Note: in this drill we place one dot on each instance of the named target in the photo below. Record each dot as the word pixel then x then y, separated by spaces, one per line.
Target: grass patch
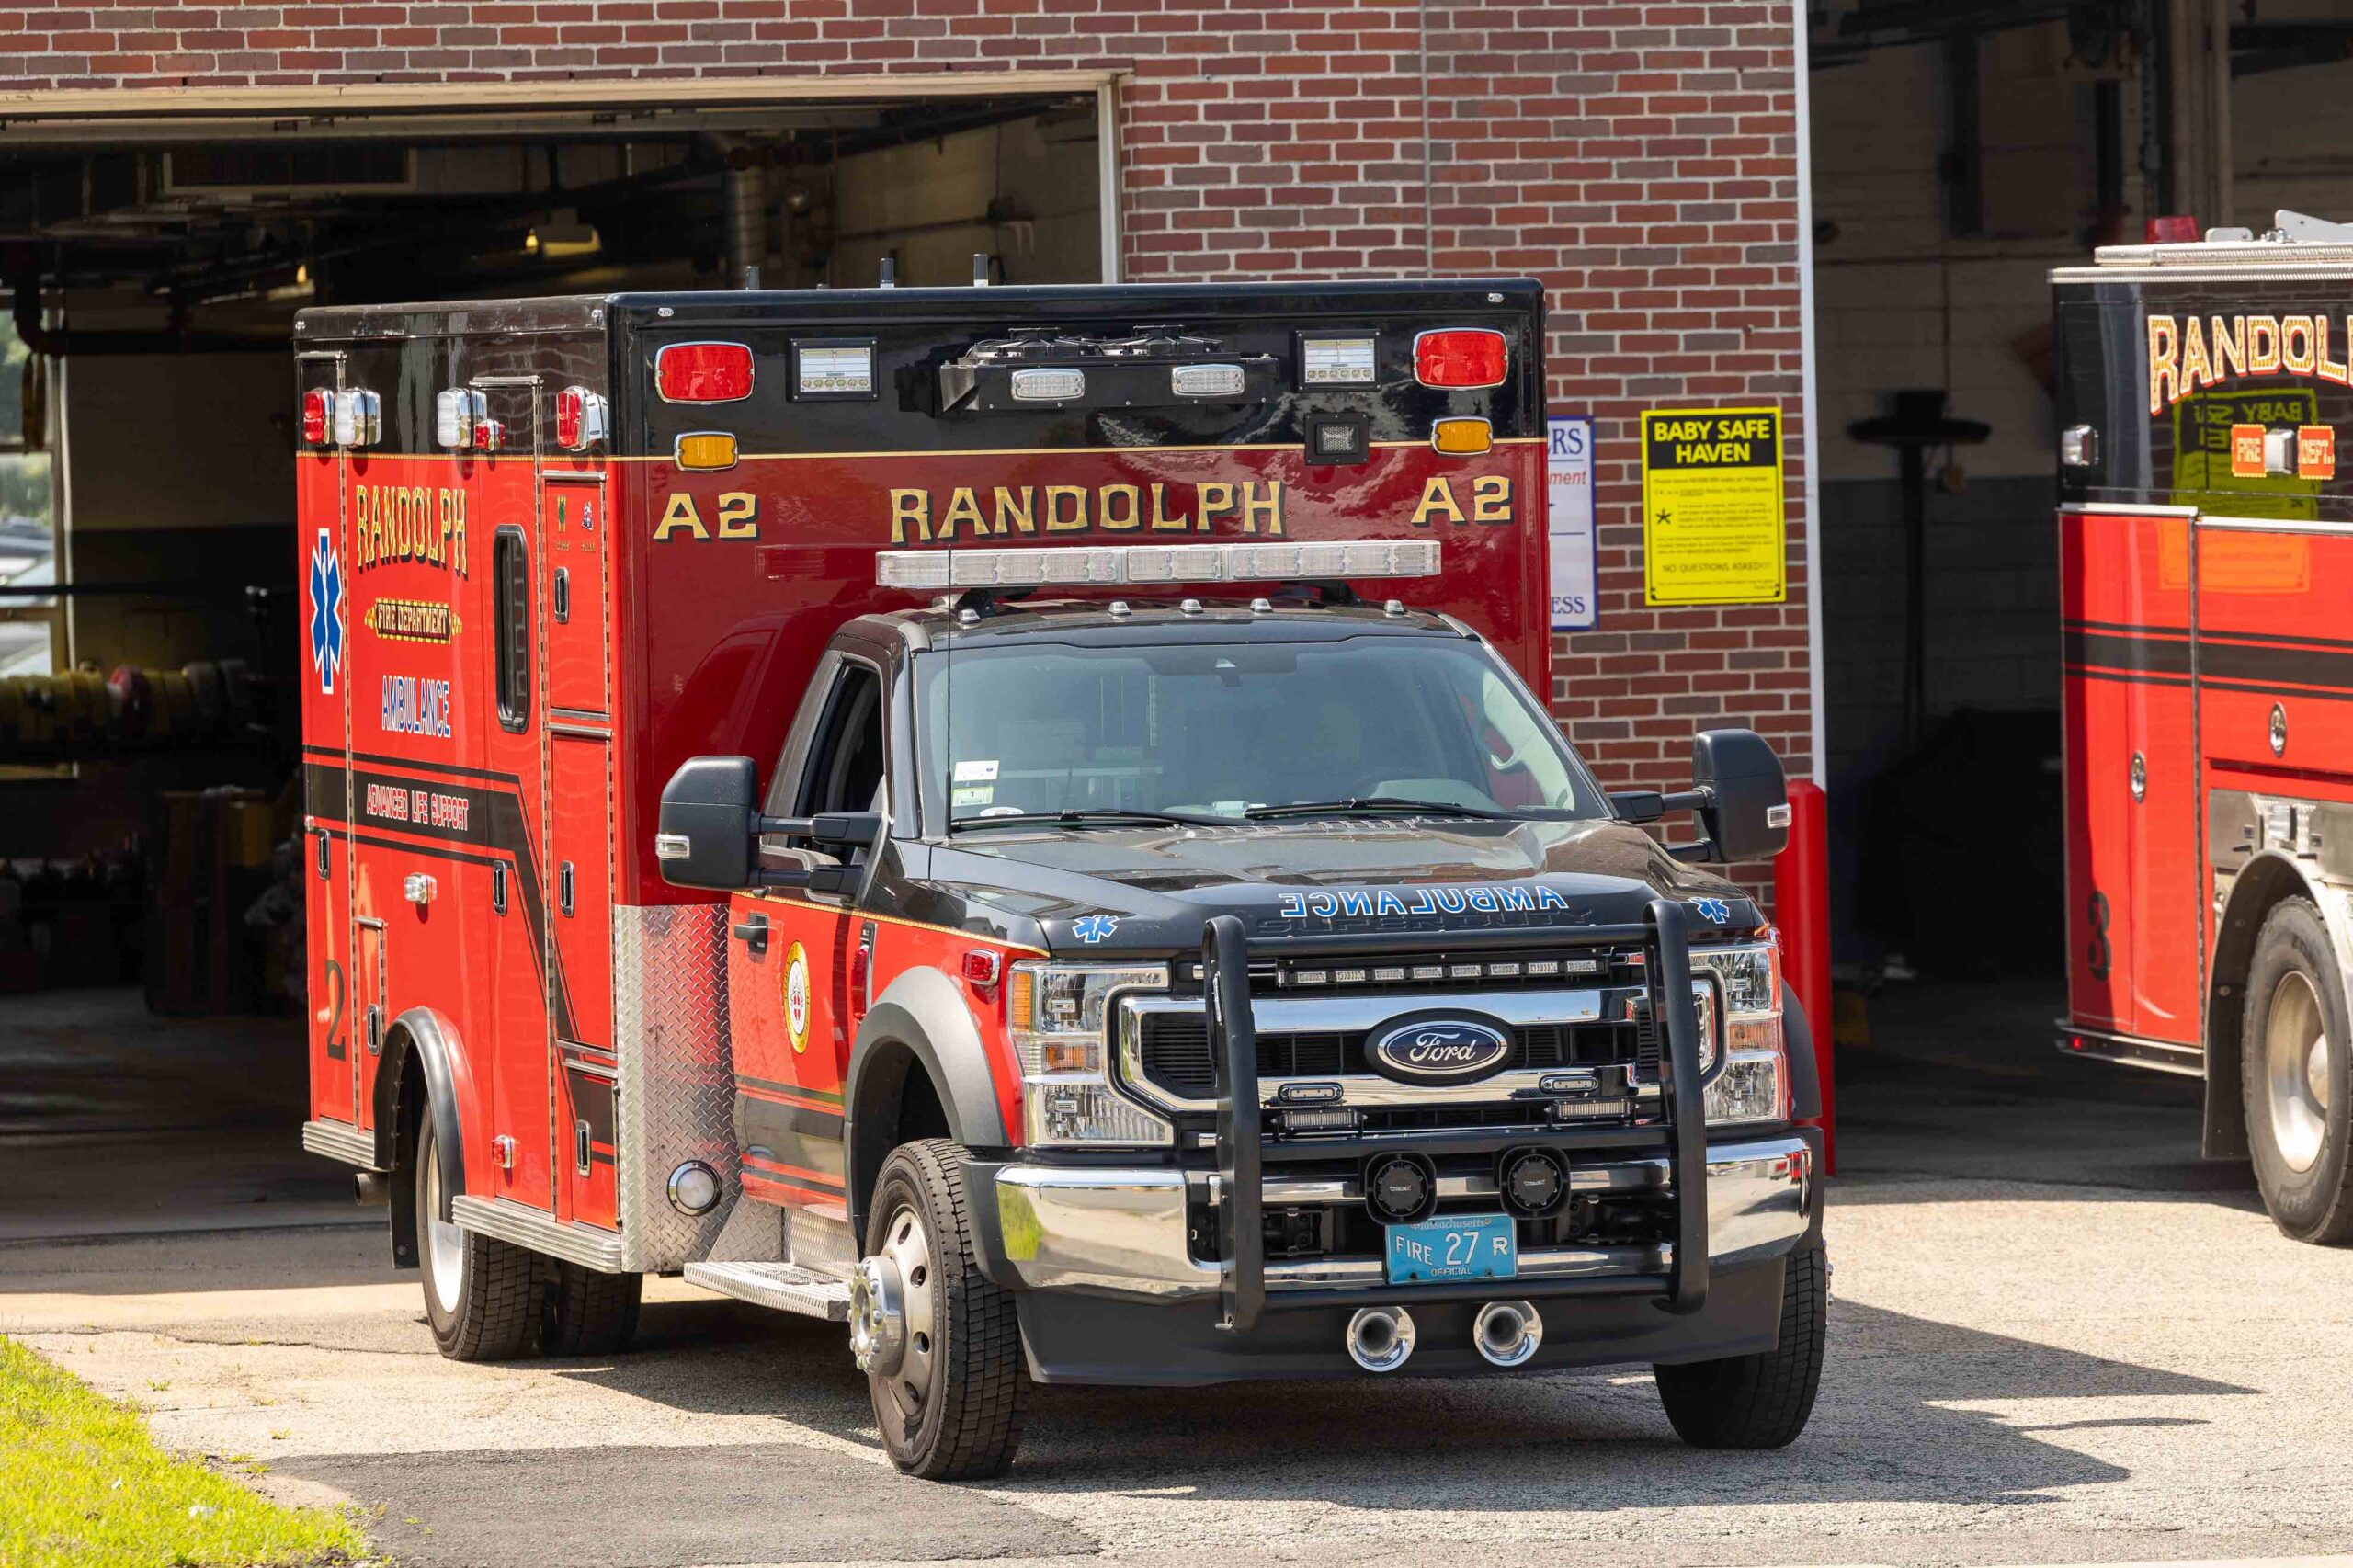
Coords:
pixel 82 1483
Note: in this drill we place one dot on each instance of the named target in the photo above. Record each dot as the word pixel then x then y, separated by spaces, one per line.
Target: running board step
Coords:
pixel 783 1286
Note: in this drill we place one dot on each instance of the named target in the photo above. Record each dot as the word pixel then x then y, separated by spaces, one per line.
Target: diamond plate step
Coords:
pixel 783 1286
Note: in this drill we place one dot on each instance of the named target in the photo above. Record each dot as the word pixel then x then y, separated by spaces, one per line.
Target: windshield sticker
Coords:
pixel 973 794
pixel 1094 929
pixel 976 770
pixel 1715 909
pixel 1484 897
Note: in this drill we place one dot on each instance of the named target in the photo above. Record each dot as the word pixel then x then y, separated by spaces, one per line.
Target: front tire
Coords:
pixel 1761 1401
pixel 940 1344
pixel 481 1295
pixel 2292 1077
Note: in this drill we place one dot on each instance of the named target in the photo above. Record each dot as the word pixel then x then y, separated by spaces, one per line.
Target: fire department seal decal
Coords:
pixel 796 997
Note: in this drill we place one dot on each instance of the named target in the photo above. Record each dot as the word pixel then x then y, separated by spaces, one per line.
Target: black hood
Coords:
pixel 1099 892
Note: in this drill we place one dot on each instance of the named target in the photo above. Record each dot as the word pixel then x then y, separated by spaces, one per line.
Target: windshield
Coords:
pixel 1227 732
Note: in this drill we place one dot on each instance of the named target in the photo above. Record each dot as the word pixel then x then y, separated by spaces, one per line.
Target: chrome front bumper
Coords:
pixel 1124 1231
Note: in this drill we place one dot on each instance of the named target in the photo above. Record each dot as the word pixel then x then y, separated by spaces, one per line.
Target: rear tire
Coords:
pixel 1761 1401
pixel 589 1313
pixel 481 1295
pixel 950 1402
pixel 2293 1077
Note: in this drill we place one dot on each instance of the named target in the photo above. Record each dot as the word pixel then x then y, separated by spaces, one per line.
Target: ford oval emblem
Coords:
pixel 1439 1051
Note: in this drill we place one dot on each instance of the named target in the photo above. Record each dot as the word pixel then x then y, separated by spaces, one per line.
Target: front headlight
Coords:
pixel 1753 1085
pixel 1057 1015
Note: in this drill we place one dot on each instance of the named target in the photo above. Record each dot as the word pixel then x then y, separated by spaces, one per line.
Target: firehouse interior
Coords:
pixel 148 623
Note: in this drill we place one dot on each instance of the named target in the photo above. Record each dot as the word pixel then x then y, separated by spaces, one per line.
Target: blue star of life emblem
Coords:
pixel 1094 929
pixel 326 612
pixel 1715 909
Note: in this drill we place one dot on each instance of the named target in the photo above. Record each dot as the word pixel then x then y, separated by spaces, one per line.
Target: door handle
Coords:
pixel 753 932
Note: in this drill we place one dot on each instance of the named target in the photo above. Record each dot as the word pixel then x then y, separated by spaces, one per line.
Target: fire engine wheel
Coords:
pixel 939 1344
pixel 1761 1401
pixel 2293 1074
pixel 481 1295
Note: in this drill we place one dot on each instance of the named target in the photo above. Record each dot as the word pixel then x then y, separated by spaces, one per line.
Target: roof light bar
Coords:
pixel 1110 565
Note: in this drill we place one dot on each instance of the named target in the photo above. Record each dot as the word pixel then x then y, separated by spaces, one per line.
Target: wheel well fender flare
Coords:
pixel 920 1022
pixel 423 1054
pixel 2260 885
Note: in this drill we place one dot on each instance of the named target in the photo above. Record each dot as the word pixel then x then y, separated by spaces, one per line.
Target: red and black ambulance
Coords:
pixel 1024 821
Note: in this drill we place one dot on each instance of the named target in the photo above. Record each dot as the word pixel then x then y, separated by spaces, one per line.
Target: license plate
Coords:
pixel 1457 1246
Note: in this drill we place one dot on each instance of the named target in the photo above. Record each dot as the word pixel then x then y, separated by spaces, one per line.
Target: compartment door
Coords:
pixel 573 554
pixel 2131 784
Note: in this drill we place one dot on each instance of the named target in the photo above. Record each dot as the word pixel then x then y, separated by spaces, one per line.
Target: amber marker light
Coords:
pixel 1464 437
pixel 705 450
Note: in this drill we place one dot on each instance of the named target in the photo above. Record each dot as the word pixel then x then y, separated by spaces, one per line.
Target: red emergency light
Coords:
pixel 2173 230
pixel 703 372
pixel 318 416
pixel 1459 357
pixel 579 419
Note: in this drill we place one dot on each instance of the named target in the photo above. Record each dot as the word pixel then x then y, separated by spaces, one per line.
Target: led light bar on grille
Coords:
pixel 1117 564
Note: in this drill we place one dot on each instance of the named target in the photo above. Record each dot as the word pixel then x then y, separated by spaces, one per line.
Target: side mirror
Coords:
pixel 705 836
pixel 711 827
pixel 1745 808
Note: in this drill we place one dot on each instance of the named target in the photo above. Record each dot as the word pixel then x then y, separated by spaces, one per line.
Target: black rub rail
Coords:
pixel 1241 1155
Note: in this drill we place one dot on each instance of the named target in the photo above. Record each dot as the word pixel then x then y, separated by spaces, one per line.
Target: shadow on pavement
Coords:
pixel 1884 1429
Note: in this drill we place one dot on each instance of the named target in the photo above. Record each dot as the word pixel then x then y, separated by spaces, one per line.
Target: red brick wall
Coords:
pixel 1639 158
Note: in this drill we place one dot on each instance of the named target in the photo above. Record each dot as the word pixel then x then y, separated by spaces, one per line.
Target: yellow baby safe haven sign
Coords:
pixel 1712 529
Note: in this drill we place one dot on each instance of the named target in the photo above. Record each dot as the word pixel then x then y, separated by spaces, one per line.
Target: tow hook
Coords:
pixel 1507 1333
pixel 877 1317
pixel 1380 1339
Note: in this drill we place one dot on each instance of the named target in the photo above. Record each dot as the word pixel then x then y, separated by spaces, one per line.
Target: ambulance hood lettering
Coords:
pixel 1307 879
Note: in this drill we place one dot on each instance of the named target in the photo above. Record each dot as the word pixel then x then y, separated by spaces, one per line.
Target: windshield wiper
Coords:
pixel 1374 803
pixel 1091 816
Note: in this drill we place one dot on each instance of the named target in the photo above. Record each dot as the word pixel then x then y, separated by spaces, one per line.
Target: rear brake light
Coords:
pixel 703 372
pixel 579 419
pixel 1459 357
pixel 318 414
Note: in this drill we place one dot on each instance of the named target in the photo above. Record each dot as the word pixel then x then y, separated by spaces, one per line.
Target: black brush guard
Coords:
pixel 1240 1156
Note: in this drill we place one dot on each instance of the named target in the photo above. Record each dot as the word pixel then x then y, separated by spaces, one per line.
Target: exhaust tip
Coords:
pixel 1380 1339
pixel 1507 1333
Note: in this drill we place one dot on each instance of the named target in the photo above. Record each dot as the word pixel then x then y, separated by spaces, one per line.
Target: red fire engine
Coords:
pixel 2206 559
pixel 1023 821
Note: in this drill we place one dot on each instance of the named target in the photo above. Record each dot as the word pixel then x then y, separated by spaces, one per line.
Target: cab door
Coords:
pixel 798 964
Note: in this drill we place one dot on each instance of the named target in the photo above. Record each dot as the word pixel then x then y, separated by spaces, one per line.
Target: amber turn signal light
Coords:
pixel 1462 437
pixel 705 448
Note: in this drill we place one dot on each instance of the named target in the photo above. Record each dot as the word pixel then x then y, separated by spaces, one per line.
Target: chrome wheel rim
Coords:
pixel 903 1371
pixel 447 1242
pixel 2295 1061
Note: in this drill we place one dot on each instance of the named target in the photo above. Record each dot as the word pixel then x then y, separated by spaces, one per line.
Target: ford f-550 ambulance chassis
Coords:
pixel 914 807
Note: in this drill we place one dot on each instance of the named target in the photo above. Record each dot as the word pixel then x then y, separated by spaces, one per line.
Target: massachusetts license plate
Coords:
pixel 1456 1246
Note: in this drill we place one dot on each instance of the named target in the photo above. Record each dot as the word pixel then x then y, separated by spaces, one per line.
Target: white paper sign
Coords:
pixel 1568 513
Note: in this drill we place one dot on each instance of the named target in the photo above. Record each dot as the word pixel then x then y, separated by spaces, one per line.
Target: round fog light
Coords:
pixel 694 1188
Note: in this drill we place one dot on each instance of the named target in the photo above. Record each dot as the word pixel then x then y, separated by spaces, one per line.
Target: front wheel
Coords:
pixel 939 1342
pixel 2293 1076
pixel 481 1295
pixel 1761 1401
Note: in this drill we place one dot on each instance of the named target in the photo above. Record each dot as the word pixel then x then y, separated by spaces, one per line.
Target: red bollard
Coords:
pixel 1802 910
